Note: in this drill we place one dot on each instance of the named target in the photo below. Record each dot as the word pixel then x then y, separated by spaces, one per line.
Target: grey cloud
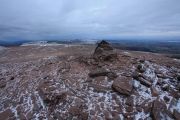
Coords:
pixel 40 19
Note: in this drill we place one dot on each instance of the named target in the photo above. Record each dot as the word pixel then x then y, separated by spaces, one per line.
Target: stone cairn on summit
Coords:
pixel 103 52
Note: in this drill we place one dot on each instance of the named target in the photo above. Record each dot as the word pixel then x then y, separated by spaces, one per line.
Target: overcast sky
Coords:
pixel 97 19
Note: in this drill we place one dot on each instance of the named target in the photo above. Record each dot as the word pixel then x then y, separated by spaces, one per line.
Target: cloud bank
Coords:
pixel 71 19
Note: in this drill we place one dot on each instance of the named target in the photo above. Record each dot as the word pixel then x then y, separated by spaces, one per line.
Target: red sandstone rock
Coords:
pixel 74 111
pixel 154 92
pixel 92 112
pixel 123 85
pixel 176 114
pixel 158 110
pixel 99 72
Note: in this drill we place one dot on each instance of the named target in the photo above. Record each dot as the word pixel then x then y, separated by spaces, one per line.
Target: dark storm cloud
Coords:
pixel 40 19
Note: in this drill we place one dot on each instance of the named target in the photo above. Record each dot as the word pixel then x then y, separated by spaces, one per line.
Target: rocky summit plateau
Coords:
pixel 87 82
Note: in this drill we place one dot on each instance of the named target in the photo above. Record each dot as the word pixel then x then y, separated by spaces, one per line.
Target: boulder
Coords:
pixel 158 110
pixel 123 85
pixel 99 72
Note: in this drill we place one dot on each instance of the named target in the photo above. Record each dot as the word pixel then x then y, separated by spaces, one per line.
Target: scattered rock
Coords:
pixel 89 79
pixel 92 112
pixel 176 114
pixel 107 114
pixel 129 109
pixel 18 109
pixel 147 108
pixel 84 116
pixel 74 111
pixel 158 110
pixel 171 105
pixel 60 95
pixel 112 75
pixel 12 78
pixel 159 82
pixel 141 68
pixel 29 115
pixel 166 98
pixel 43 96
pixel 7 113
pixel 36 107
pixel 2 85
pixel 78 102
pixel 174 93
pixel 98 88
pixel 123 85
pixel 161 76
pixel 178 85
pixel 22 117
pixel 99 72
pixel 154 92
pixel 144 82
pixel 139 109
pixel 135 75
pixel 130 101
pixel 165 87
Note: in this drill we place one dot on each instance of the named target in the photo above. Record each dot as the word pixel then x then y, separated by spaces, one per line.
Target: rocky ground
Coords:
pixel 74 82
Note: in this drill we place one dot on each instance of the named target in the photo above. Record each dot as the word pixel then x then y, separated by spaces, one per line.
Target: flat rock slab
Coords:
pixel 123 85
pixel 99 72
pixel 99 88
pixel 144 82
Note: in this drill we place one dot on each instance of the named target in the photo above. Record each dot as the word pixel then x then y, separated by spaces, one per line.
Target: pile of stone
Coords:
pixel 104 52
